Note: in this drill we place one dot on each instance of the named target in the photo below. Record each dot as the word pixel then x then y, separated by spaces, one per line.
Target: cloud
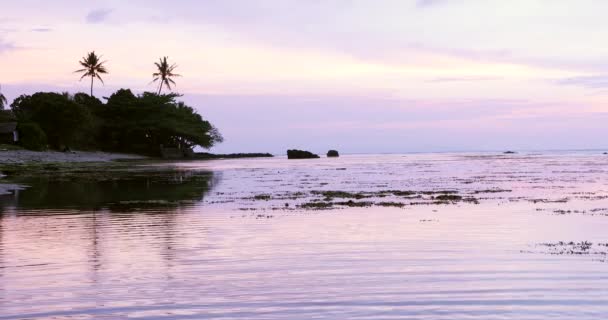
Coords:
pixel 428 3
pixel 378 34
pixel 7 30
pixel 42 29
pixel 463 79
pixel 98 15
pixel 6 46
pixel 593 82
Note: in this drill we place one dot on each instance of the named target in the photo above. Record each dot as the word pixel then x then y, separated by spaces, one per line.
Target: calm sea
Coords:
pixel 425 236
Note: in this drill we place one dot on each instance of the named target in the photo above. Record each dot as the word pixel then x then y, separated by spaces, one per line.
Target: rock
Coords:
pixel 509 152
pixel 300 154
pixel 332 154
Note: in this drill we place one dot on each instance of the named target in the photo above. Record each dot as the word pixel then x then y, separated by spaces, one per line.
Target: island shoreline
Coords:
pixel 94 165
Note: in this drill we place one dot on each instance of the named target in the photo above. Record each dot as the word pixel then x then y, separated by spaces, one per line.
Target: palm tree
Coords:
pixel 93 67
pixel 3 100
pixel 164 74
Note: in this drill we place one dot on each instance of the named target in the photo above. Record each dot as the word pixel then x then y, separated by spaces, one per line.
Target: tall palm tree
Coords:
pixel 164 74
pixel 3 101
pixel 93 67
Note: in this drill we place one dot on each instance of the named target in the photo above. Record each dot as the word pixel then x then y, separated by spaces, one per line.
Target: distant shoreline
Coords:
pixel 93 165
pixel 213 156
pixel 26 156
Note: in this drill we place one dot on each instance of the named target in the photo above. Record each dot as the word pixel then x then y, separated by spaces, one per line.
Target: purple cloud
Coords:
pixel 593 82
pixel 42 29
pixel 314 25
pixel 463 79
pixel 98 15
pixel 6 46
pixel 428 3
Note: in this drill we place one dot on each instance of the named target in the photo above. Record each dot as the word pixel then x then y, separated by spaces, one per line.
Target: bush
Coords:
pixel 7 116
pixel 31 136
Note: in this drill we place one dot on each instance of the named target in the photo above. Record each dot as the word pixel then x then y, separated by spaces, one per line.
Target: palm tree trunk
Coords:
pixel 160 87
pixel 91 86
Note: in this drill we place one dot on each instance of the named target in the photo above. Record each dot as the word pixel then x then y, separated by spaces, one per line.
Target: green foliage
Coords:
pixel 31 136
pixel 7 116
pixel 88 137
pixel 87 100
pixel 58 115
pixel 141 124
pixel 126 123
pixel 9 147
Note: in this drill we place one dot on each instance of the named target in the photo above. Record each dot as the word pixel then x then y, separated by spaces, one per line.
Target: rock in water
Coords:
pixel 300 154
pixel 332 154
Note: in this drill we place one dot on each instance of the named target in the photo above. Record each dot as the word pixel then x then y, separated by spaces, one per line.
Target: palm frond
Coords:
pixel 100 79
pixel 93 66
pixel 164 73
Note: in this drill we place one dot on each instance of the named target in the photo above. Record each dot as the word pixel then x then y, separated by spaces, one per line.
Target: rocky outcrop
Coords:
pixel 300 154
pixel 332 154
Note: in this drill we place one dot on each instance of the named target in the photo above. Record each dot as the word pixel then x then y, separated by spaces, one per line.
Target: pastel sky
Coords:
pixel 355 75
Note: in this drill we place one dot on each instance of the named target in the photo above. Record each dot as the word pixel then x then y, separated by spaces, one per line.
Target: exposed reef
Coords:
pixel 300 154
pixel 333 154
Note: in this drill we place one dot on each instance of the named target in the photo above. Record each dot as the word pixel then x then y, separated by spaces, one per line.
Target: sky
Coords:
pixel 359 76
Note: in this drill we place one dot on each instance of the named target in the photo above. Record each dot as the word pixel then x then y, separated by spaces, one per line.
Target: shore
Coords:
pixel 17 165
pixel 61 164
pixel 25 156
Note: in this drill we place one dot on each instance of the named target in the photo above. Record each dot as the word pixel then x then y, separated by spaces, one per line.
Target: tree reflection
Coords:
pixel 118 194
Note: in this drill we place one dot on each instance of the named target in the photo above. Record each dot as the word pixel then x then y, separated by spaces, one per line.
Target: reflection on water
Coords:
pixel 125 191
pixel 181 245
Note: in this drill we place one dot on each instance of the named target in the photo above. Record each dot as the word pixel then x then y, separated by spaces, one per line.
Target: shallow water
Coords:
pixel 195 242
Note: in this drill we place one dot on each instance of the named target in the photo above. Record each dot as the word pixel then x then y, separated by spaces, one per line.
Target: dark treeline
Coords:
pixel 124 123
pixel 142 124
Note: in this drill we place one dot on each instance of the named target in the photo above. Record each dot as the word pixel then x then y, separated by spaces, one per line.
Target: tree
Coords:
pixel 126 123
pixel 63 121
pixel 164 74
pixel 93 67
pixel 3 101
pixel 142 123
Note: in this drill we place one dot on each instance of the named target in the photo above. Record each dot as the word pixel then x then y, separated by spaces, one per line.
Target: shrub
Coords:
pixel 31 136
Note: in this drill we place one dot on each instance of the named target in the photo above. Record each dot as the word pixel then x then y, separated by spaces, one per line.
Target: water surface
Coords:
pixel 230 239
